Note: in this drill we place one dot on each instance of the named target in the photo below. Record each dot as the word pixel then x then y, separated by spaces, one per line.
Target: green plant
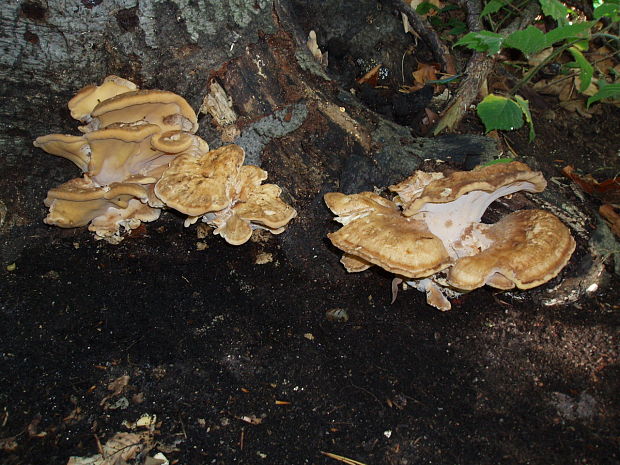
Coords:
pixel 439 18
pixel 572 35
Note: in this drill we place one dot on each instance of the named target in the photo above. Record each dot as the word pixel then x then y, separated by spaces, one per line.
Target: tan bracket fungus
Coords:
pixel 525 249
pixel 139 154
pixel 87 98
pixel 376 233
pixel 227 195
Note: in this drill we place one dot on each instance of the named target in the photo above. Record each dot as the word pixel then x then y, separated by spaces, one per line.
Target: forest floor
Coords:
pixel 212 354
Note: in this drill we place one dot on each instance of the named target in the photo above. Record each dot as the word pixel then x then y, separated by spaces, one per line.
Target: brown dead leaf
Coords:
pixel 561 86
pixel 118 450
pixel 565 88
pixel 611 217
pixel 126 446
pixel 75 415
pixel 313 46
pixel 425 72
pixel 590 91
pixel 577 106
pixel 371 77
pixel 33 427
pixel 117 387
pixel 429 120
pixel 92 460
pixel 539 57
pixel 602 59
pixel 607 191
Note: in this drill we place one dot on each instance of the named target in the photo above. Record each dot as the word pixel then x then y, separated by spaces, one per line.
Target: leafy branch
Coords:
pixel 573 35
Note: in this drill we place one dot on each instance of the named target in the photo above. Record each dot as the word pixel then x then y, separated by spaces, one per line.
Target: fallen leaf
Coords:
pixel 539 57
pixel 117 387
pixel 73 416
pixel 126 446
pixel 416 3
pixel 578 106
pixel 147 421
pixel 607 191
pixel 157 459
pixel 92 460
pixel 602 59
pixel 32 428
pixel 429 120
pixel 425 72
pixel 611 217
pixel 313 46
pixel 565 88
pixel 371 76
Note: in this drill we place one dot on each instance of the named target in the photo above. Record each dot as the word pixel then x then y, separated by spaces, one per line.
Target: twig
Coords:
pixel 534 71
pixel 342 459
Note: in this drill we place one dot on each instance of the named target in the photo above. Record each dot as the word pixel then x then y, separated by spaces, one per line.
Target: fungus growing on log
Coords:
pixel 87 98
pixel 434 225
pixel 376 233
pixel 139 154
pixel 227 195
pixel 108 209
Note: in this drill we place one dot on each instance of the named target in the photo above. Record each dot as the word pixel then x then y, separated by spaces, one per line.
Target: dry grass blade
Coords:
pixel 342 459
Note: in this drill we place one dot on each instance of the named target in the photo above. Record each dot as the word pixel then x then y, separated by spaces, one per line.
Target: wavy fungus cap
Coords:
pixel 166 109
pixel 528 248
pixel 376 233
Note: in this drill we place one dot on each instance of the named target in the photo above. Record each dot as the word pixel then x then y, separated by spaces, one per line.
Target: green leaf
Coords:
pixel 529 41
pixel 449 7
pixel 525 109
pixel 425 7
pixel 458 27
pixel 610 9
pixel 435 21
pixel 585 68
pixel 568 32
pixel 611 91
pixel 498 112
pixel 492 7
pixel 555 9
pixel 483 41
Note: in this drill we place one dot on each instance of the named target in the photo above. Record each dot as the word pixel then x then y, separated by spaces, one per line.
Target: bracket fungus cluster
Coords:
pixel 139 154
pixel 431 235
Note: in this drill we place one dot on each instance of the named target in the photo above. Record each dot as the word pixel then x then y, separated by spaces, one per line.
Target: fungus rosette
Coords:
pixel 431 235
pixel 217 188
pixel 139 153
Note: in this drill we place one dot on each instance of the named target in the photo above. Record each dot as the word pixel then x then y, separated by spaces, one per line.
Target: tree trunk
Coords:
pixel 309 133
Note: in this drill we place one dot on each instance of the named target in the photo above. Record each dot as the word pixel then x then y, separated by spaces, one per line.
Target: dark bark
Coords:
pixel 428 34
pixel 294 120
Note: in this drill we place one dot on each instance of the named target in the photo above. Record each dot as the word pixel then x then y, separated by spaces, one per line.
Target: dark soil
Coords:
pixel 236 352
pixel 210 337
